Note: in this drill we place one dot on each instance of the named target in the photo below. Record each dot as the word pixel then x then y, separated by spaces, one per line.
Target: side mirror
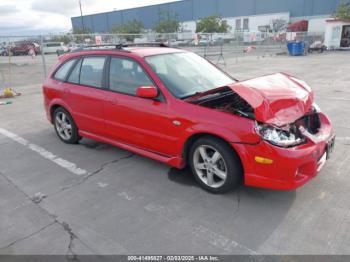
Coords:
pixel 147 92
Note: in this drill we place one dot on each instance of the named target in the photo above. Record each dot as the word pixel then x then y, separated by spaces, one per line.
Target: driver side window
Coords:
pixel 126 75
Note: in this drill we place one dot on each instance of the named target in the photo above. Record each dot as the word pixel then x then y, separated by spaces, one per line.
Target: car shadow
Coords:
pixel 182 176
pixel 91 144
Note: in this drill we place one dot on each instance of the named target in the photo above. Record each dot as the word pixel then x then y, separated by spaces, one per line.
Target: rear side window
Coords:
pixel 61 73
pixel 74 76
pixel 91 72
pixel 125 76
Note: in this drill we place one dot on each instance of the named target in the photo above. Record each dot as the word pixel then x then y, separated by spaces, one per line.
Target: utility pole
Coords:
pixel 81 15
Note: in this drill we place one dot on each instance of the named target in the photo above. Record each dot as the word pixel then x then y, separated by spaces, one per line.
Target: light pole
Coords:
pixel 81 15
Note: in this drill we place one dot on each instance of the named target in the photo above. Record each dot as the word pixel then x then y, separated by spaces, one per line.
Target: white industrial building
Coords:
pixel 255 23
pixel 337 34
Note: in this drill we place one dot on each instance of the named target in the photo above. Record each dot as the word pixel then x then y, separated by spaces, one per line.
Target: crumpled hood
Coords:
pixel 277 99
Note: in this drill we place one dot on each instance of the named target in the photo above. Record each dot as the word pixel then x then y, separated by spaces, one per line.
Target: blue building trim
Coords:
pixel 191 10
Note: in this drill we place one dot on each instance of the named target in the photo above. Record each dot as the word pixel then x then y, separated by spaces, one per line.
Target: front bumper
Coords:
pixel 291 167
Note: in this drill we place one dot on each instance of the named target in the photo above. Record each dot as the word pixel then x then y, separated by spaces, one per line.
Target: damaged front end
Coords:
pixel 226 100
pixel 294 137
pixel 281 106
pixel 286 136
pixel 292 134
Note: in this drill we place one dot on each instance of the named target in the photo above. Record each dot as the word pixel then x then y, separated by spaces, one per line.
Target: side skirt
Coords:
pixel 172 161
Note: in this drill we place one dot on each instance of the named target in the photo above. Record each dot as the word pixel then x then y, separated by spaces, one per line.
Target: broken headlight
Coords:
pixel 286 136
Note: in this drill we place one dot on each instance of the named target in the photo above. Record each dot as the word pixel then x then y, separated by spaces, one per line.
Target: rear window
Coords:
pixel 62 72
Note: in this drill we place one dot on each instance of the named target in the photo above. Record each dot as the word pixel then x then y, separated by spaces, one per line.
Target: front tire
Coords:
pixel 65 126
pixel 215 165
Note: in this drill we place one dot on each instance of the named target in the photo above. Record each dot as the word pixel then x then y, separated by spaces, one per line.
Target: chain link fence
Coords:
pixel 37 54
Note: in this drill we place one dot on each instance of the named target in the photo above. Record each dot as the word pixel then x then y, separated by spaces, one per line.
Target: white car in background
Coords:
pixel 54 47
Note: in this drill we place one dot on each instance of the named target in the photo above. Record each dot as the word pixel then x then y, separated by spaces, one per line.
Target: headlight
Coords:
pixel 287 136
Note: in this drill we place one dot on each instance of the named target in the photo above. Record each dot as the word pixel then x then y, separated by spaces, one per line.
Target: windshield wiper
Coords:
pixel 202 95
pixel 194 94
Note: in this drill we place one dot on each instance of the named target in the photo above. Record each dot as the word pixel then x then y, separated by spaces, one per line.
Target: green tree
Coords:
pixel 278 25
pixel 132 27
pixel 80 34
pixel 168 22
pixel 62 38
pixel 343 10
pixel 81 31
pixel 212 24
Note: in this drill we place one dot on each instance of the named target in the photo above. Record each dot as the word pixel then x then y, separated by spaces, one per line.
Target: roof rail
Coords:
pixel 150 44
pixel 119 47
pixel 99 47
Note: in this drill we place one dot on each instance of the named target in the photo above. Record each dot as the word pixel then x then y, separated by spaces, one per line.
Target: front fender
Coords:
pixel 243 135
pixel 246 135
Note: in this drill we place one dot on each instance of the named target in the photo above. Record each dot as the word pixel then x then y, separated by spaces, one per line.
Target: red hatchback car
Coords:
pixel 176 107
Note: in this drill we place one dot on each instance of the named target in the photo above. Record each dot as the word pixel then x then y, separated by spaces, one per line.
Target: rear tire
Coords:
pixel 215 165
pixel 65 127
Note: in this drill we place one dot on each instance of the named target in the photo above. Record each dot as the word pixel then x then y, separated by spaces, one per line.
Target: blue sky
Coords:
pixel 28 17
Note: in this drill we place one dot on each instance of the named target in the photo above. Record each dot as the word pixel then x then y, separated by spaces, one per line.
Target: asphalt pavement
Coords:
pixel 93 198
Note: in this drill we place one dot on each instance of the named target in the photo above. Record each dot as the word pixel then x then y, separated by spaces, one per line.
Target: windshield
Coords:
pixel 186 74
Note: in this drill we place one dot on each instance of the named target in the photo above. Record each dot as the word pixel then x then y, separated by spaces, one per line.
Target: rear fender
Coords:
pixel 58 102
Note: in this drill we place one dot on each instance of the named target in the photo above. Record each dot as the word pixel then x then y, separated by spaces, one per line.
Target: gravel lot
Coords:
pixel 127 204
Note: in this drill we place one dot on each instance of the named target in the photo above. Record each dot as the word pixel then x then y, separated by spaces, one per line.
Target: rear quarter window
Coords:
pixel 75 74
pixel 62 72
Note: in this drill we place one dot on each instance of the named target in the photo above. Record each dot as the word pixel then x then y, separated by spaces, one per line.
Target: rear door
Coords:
pixel 138 121
pixel 84 93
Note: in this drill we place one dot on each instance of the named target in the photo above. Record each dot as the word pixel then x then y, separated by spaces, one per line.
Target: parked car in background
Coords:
pixel 54 47
pixel 218 41
pixel 202 42
pixel 176 43
pixel 172 43
pixel 72 46
pixel 176 107
pixel 23 48
pixel 4 51
pixel 184 42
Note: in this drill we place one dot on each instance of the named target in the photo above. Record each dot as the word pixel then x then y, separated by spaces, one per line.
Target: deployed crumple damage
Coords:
pixel 277 99
pixel 226 100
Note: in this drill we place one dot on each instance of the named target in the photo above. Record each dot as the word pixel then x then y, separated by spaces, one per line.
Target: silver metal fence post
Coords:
pixel 10 73
pixel 43 55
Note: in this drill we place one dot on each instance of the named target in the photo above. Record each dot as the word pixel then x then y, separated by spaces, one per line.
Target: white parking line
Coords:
pixel 71 167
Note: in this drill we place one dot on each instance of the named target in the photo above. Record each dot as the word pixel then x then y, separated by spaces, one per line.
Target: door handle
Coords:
pixel 113 101
pixel 66 90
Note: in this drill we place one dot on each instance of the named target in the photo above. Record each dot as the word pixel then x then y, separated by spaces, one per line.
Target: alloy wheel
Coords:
pixel 210 166
pixel 63 126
